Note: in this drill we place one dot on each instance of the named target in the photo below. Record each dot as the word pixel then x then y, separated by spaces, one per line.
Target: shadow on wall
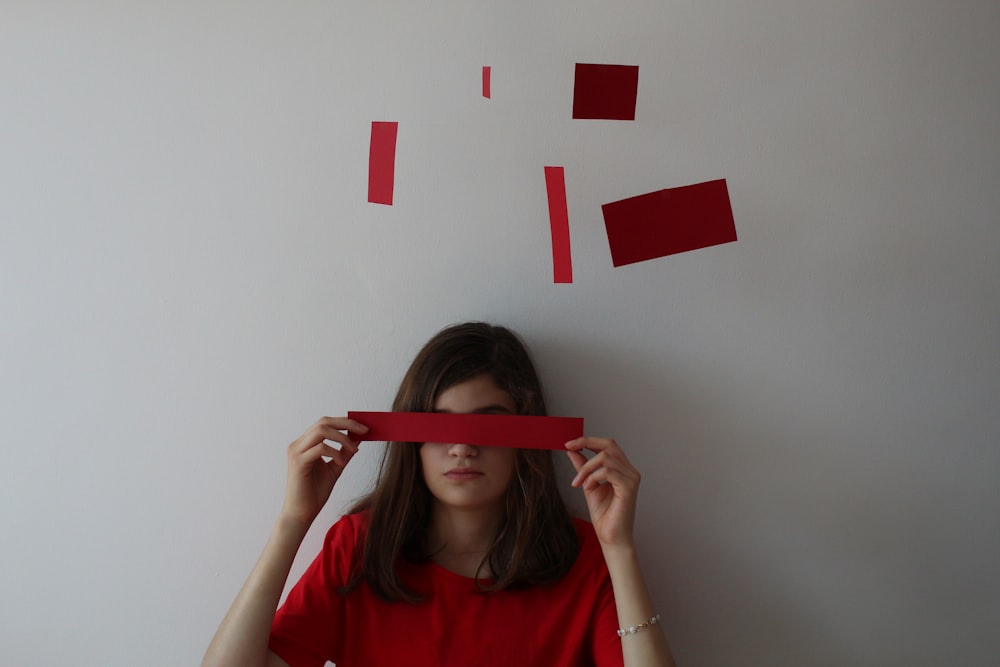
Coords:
pixel 724 602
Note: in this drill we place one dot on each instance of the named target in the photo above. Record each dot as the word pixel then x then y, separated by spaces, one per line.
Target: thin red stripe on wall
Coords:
pixel 562 263
pixel 382 162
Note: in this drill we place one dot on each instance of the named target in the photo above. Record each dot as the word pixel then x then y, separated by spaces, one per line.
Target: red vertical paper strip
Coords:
pixel 486 81
pixel 562 263
pixel 382 162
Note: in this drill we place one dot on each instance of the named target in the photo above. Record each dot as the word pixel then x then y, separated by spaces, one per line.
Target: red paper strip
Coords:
pixel 562 261
pixel 669 221
pixel 486 81
pixel 605 91
pixel 487 430
pixel 382 162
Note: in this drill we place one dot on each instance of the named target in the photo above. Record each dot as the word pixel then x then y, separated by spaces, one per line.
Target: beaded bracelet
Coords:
pixel 631 630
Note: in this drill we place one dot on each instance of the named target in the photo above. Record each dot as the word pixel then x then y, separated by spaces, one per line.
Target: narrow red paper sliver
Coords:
pixel 562 261
pixel 382 162
pixel 487 430
pixel 669 221
pixel 486 81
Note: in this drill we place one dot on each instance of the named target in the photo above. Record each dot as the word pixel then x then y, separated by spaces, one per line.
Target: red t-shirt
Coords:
pixel 571 622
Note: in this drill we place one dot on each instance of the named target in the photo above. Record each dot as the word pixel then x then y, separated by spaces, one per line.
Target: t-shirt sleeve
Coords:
pixel 308 628
pixel 607 647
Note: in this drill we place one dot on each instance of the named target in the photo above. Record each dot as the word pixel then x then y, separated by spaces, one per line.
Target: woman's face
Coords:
pixel 464 476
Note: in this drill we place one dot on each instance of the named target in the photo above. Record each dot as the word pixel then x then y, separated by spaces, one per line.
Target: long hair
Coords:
pixel 536 542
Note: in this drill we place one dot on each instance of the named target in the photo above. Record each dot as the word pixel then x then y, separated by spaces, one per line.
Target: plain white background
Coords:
pixel 190 274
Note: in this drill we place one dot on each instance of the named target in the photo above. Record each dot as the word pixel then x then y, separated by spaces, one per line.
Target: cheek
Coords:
pixel 430 454
pixel 506 461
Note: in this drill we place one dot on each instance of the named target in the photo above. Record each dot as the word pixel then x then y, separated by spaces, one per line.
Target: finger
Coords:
pixel 623 484
pixel 592 443
pixel 339 459
pixel 340 424
pixel 593 479
pixel 316 452
pixel 588 468
pixel 322 433
pixel 345 424
pixel 577 459
pixel 621 468
pixel 338 452
pixel 606 449
pixel 342 442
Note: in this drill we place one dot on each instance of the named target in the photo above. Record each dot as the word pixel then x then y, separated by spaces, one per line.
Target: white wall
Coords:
pixel 190 274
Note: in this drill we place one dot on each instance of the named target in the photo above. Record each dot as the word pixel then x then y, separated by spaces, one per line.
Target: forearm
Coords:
pixel 243 635
pixel 648 647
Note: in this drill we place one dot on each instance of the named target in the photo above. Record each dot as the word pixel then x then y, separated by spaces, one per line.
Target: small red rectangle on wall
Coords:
pixel 669 221
pixel 605 91
pixel 382 162
pixel 486 81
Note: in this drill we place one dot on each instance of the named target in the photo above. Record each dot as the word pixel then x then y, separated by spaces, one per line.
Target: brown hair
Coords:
pixel 536 543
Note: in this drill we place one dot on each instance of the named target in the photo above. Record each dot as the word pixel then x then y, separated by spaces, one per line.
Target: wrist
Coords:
pixel 292 526
pixel 620 553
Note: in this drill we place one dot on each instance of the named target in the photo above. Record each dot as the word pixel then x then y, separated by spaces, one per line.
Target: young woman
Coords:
pixel 461 555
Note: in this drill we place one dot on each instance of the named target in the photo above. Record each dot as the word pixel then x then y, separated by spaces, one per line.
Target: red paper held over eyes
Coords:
pixel 382 162
pixel 486 430
pixel 669 221
pixel 605 91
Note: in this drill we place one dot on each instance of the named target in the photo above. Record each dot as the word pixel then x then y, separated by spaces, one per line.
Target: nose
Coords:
pixel 463 451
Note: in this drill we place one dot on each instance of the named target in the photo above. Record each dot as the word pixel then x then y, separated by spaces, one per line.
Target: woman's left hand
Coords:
pixel 610 484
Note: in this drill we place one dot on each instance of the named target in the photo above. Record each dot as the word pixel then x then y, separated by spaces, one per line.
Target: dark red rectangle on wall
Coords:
pixel 605 91
pixel 669 221
pixel 486 81
pixel 562 261
pixel 382 162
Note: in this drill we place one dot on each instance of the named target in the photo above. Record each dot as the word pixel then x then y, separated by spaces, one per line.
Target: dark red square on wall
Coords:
pixel 605 91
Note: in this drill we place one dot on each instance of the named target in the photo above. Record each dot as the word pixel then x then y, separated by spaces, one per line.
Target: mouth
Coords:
pixel 463 474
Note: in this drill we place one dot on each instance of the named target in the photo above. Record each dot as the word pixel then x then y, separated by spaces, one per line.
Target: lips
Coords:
pixel 463 474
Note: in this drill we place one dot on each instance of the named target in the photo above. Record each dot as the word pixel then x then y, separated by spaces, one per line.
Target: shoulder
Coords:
pixel 584 530
pixel 340 549
pixel 590 546
pixel 347 531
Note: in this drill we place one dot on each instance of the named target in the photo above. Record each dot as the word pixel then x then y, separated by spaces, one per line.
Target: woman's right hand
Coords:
pixel 310 478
